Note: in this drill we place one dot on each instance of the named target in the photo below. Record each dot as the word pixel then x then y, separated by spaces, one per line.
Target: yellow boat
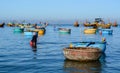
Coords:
pixel 106 26
pixel 90 31
pixel 41 32
pixel 89 25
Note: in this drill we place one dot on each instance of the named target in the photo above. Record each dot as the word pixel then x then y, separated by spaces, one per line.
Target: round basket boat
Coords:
pixel 18 30
pixel 64 30
pixel 82 53
pixel 90 31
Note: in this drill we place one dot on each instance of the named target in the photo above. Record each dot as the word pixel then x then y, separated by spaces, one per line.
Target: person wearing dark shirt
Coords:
pixel 33 42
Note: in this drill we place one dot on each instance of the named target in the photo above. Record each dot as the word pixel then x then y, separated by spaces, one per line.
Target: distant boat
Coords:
pixel 64 30
pixel 98 20
pixel 19 30
pixel 90 31
pixel 89 25
pixel 76 24
pixel 2 25
pixel 28 33
pixel 106 26
pixel 11 24
pixel 106 31
pixel 115 24
pixel 40 31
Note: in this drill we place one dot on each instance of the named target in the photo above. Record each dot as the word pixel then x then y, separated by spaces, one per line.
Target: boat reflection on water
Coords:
pixel 84 67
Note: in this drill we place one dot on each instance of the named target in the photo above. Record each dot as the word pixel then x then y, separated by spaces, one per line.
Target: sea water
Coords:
pixel 16 55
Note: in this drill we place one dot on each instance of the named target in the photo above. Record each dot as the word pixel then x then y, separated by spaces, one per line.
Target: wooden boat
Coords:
pixel 90 31
pixel 100 45
pixel 29 29
pixel 106 26
pixel 64 30
pixel 2 25
pixel 106 31
pixel 40 31
pixel 82 53
pixel 89 25
pixel 115 24
pixel 76 24
pixel 11 24
pixel 27 26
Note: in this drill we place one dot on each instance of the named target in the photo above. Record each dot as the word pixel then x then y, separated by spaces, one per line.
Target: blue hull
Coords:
pixel 28 33
pixel 64 31
pixel 107 31
pixel 18 30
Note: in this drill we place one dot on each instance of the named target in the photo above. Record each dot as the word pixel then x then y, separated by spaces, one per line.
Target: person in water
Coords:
pixel 33 42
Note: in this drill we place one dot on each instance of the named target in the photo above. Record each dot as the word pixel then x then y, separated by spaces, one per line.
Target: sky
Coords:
pixel 56 11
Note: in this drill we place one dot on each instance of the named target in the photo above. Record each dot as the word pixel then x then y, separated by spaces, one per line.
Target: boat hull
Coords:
pixel 107 31
pixel 28 33
pixel 82 53
pixel 64 31
pixel 90 31
pixel 18 30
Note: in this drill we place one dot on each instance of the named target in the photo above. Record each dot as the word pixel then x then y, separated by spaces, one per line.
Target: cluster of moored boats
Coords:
pixel 28 28
pixel 92 28
pixel 79 51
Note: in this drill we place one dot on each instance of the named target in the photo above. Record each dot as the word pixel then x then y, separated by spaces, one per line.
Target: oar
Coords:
pixel 90 44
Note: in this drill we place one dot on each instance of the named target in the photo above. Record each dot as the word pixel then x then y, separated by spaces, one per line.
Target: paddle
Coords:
pixel 90 44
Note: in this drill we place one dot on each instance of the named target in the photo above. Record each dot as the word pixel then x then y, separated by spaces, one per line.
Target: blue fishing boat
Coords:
pixel 64 30
pixel 28 33
pixel 106 31
pixel 100 45
pixel 18 29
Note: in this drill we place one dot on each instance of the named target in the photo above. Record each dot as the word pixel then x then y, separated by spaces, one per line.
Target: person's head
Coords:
pixel 103 39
